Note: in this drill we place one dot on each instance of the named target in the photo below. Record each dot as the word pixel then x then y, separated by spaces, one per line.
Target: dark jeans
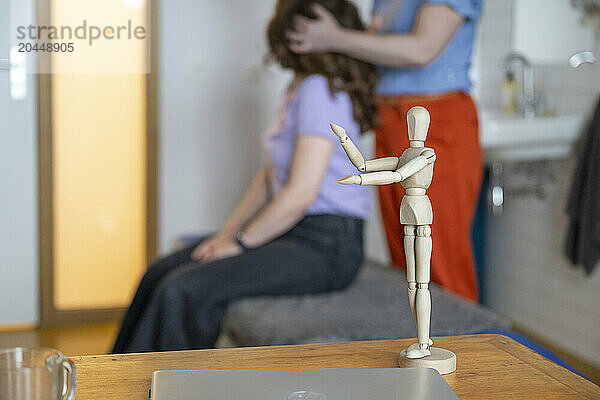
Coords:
pixel 179 303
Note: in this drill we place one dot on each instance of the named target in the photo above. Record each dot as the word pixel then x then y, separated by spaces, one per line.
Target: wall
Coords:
pixel 215 100
pixel 18 191
pixel 527 277
pixel 375 241
pixel 493 44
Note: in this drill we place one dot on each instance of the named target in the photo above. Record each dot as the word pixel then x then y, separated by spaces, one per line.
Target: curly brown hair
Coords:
pixel 343 73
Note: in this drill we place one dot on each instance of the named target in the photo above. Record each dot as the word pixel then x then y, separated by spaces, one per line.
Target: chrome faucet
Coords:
pixel 528 99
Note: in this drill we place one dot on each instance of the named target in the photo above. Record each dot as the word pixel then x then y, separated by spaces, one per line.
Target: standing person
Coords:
pixel 423 48
pixel 295 231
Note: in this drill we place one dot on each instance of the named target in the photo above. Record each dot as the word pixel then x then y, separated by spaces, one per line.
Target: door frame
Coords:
pixel 49 315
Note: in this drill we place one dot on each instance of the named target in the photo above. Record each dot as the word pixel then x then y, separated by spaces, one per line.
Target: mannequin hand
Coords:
pixel 216 247
pixel 314 35
pixel 350 180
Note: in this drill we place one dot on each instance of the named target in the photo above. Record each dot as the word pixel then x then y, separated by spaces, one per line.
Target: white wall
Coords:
pixel 376 248
pixel 375 241
pixel 216 99
pixel 18 197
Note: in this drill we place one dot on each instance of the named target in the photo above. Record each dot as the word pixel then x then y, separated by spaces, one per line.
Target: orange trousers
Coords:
pixel 454 191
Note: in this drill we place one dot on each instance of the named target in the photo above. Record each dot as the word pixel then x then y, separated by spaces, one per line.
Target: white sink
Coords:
pixel 514 138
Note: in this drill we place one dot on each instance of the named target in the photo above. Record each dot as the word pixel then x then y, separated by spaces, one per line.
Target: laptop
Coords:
pixel 301 384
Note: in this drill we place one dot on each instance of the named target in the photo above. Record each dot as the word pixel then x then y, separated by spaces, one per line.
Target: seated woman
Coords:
pixel 295 231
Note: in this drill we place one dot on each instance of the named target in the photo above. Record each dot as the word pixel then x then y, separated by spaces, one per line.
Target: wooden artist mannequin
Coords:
pixel 414 171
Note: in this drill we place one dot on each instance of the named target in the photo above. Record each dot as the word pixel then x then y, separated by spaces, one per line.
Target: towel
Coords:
pixel 583 208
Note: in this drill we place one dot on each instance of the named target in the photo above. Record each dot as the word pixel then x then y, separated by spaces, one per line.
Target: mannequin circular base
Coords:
pixel 444 361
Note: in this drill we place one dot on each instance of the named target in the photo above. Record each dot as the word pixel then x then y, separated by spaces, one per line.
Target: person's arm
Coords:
pixel 309 165
pixel 434 26
pixel 254 199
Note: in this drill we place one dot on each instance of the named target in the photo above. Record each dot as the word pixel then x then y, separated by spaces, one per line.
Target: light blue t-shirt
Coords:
pixel 309 110
pixel 450 70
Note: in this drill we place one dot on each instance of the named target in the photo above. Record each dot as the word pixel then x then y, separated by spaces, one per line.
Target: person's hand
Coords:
pixel 216 247
pixel 314 35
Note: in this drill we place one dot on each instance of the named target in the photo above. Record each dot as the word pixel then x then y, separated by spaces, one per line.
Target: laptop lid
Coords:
pixel 301 384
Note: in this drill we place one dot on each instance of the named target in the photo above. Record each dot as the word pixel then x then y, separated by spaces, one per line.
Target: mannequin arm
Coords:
pixel 382 164
pixel 310 161
pixel 349 147
pixel 386 177
pixel 371 178
pixel 379 164
pixel 412 167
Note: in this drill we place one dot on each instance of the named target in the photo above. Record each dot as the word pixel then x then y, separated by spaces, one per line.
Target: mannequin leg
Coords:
pixel 410 232
pixel 409 250
pixel 422 299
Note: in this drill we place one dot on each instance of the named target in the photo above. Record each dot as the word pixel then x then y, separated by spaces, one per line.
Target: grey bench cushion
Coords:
pixel 375 306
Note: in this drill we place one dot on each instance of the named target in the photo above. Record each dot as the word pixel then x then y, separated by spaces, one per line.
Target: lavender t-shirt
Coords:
pixel 308 111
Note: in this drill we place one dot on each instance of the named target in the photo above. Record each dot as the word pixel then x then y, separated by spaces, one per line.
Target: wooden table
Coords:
pixel 488 367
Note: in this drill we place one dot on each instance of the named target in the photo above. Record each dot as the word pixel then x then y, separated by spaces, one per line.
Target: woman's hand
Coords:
pixel 314 35
pixel 216 247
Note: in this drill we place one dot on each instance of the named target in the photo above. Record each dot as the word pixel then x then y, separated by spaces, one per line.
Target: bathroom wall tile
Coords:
pixel 493 45
pixel 589 75
pixel 557 284
pixel 500 25
pixel 575 78
pixel 498 6
pixel 587 323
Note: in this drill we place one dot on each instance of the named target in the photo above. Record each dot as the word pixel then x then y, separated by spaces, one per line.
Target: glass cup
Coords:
pixel 36 374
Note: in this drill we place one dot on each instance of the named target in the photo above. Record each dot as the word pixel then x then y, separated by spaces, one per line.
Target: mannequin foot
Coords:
pixel 444 361
pixel 415 346
pixel 418 352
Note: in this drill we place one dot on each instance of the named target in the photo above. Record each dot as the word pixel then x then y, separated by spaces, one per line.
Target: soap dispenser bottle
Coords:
pixel 509 93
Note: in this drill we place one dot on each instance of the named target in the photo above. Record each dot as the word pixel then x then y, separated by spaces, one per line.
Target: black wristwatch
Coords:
pixel 239 238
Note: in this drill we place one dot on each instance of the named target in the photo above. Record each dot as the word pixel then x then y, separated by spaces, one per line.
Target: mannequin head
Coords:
pixel 418 125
